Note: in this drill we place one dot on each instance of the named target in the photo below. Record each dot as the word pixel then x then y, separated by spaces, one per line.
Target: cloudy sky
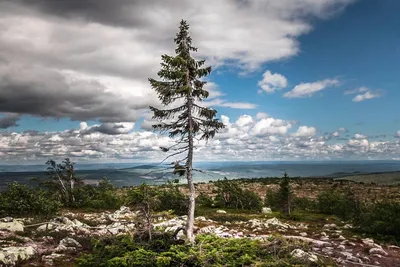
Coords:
pixel 292 79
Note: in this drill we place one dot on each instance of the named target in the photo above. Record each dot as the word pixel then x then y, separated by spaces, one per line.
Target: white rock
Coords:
pixel 350 257
pixel 303 234
pixel 266 210
pixel 9 256
pixel 70 242
pixel 368 242
pixel 48 260
pixel 341 238
pixel 201 218
pixel 348 226
pixel 221 211
pixel 330 226
pixel 6 219
pixel 378 251
pixel 301 254
pixel 341 247
pixel 13 226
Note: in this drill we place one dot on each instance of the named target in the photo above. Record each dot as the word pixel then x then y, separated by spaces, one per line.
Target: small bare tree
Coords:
pixel 181 89
pixel 62 179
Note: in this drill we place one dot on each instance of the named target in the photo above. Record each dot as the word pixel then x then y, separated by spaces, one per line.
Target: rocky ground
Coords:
pixel 26 242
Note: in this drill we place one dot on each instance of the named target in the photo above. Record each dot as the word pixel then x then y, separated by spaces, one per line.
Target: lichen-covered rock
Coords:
pixel 378 251
pixel 266 210
pixel 301 254
pixel 48 260
pixel 9 256
pixel 12 226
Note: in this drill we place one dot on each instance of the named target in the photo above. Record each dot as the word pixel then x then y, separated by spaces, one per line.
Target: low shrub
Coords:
pixel 344 205
pixel 101 196
pixel 381 219
pixel 231 195
pixel 208 251
pixel 22 200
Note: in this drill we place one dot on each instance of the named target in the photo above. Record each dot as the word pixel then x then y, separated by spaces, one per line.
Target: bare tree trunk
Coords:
pixel 63 188
pixel 189 175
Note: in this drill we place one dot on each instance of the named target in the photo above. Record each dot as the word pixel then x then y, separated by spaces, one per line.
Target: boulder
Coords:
pixel 301 254
pixel 349 257
pixel 7 219
pixel 68 244
pixel 48 260
pixel 221 211
pixel 330 226
pixel 266 210
pixel 9 256
pixel 368 242
pixel 378 251
pixel 12 226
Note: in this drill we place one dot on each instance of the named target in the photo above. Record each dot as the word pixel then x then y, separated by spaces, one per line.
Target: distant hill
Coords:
pixel 384 178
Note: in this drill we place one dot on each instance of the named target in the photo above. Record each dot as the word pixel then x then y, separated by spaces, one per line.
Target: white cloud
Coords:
pixel 397 134
pixel 359 136
pixel 357 90
pixel 217 102
pixel 305 131
pixel 110 50
pixel 261 115
pixel 271 126
pixel 244 120
pixel 272 82
pixel 308 89
pixel 366 96
pixel 362 143
pixel 363 93
pixel 336 134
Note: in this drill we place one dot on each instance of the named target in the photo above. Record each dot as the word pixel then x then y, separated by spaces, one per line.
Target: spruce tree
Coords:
pixel 181 91
pixel 285 194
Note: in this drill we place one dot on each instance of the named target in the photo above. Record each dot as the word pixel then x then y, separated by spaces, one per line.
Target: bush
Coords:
pixel 163 199
pixel 231 195
pixel 304 204
pixel 203 200
pixel 171 198
pixel 381 219
pixel 101 196
pixel 22 200
pixel 208 251
pixel 344 205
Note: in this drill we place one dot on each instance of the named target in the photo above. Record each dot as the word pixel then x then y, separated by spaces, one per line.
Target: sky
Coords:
pixel 291 80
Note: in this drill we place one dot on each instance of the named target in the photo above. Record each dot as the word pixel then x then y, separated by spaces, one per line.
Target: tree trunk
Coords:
pixel 189 173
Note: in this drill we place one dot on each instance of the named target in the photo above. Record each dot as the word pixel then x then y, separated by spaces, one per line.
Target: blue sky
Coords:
pixel 331 92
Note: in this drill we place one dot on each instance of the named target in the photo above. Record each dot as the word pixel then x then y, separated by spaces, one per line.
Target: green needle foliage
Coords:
pixel 181 91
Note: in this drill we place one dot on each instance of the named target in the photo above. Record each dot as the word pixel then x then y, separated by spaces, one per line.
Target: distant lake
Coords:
pixel 127 174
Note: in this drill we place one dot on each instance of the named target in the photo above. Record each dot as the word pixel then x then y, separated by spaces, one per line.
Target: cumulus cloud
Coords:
pixel 107 128
pixel 359 136
pixel 244 138
pixel 272 82
pixel 397 134
pixel 88 60
pixel 308 89
pixel 304 131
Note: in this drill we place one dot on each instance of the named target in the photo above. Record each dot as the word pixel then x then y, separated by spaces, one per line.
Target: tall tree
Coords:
pixel 285 194
pixel 181 90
